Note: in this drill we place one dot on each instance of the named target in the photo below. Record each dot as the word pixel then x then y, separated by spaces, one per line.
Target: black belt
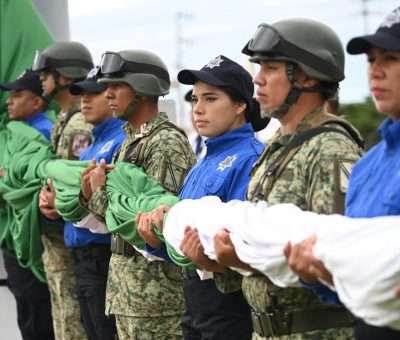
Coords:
pixel 189 274
pixel 90 251
pixel 121 247
pixel 279 323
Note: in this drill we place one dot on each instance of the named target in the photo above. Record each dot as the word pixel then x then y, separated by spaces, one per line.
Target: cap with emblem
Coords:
pixel 225 73
pixel 28 80
pixel 89 84
pixel 386 37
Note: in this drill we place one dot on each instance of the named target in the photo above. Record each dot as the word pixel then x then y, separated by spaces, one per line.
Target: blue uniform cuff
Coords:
pixel 324 293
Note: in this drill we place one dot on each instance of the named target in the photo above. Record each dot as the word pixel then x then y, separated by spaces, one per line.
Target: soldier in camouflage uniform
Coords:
pixel 307 162
pixel 62 64
pixel 146 297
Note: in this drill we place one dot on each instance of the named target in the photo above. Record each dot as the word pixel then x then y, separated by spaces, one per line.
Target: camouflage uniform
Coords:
pixel 146 297
pixel 69 138
pixel 315 179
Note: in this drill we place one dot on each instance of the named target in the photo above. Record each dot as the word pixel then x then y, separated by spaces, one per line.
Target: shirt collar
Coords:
pixel 106 127
pixel 229 138
pixel 145 128
pixel 36 118
pixel 390 132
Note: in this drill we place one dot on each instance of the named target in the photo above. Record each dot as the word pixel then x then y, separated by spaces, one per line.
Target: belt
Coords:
pixel 90 251
pixel 189 274
pixel 278 323
pixel 121 247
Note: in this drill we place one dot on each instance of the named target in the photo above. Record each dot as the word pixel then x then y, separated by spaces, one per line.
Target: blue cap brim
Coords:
pixel 87 86
pixel 380 40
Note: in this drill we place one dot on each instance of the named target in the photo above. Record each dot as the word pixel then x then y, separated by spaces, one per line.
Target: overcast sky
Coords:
pixel 211 27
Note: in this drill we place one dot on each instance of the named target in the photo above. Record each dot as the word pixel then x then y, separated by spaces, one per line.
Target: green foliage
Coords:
pixel 365 118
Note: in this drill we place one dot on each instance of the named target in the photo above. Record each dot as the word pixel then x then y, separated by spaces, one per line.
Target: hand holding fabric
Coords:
pixel 226 253
pixel 192 248
pixel 98 176
pixel 301 260
pixel 144 226
pixel 85 180
pixel 47 201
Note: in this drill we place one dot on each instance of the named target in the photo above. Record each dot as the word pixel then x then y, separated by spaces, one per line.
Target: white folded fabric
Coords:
pixel 362 254
pixel 93 224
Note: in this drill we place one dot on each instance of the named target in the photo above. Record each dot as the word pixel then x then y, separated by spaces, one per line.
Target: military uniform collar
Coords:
pixel 146 128
pixel 305 124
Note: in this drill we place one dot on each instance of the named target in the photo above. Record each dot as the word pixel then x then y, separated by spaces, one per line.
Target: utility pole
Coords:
pixel 365 14
pixel 180 40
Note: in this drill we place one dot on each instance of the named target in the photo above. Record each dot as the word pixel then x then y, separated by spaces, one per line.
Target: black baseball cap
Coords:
pixel 89 84
pixel 386 37
pixel 223 72
pixel 28 80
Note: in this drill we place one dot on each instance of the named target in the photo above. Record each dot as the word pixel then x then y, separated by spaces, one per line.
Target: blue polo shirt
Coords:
pixel 374 188
pixel 42 123
pixel 224 171
pixel 108 138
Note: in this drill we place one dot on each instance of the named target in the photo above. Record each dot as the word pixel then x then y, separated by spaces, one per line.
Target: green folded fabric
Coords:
pixel 130 191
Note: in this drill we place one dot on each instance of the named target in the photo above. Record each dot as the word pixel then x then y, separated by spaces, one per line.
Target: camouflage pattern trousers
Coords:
pixel 61 280
pixel 333 334
pixel 148 328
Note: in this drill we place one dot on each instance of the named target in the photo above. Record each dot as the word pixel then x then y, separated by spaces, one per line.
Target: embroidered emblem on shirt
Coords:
pixel 79 143
pixel 227 162
pixel 392 18
pixel 215 62
pixel 106 147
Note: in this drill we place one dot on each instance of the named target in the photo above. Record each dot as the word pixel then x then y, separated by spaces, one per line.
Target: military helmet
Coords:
pixel 313 46
pixel 144 71
pixel 71 59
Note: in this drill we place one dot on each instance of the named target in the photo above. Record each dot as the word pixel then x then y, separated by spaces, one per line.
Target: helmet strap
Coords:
pixel 280 111
pixel 57 86
pixel 130 109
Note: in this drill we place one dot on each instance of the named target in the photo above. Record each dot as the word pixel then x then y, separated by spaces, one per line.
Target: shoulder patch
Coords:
pixel 345 168
pixel 80 142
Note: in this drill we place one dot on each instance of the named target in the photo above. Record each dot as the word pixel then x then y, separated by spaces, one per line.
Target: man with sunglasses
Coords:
pixel 145 296
pixel 62 64
pixel 307 162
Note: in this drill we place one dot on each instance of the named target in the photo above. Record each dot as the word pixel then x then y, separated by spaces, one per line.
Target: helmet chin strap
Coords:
pixel 280 111
pixel 57 86
pixel 130 109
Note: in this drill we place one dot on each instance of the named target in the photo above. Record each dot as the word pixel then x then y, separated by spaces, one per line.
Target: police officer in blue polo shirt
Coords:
pixel 89 240
pixel 26 104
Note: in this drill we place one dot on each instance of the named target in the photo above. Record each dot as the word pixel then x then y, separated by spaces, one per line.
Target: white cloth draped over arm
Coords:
pixel 93 224
pixel 363 255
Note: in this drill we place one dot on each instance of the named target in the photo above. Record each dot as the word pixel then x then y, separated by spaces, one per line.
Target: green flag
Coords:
pixel 22 33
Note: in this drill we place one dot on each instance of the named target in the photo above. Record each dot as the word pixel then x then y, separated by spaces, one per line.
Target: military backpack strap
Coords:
pixel 135 152
pixel 63 125
pixel 290 150
pixel 298 141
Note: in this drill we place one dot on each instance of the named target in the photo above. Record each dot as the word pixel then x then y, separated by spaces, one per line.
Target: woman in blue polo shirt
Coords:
pixel 374 187
pixel 224 111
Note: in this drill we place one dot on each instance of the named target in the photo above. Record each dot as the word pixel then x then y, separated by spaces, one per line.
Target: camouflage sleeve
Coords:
pixel 168 158
pixel 327 173
pixel 75 137
pixel 228 282
pixel 98 203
